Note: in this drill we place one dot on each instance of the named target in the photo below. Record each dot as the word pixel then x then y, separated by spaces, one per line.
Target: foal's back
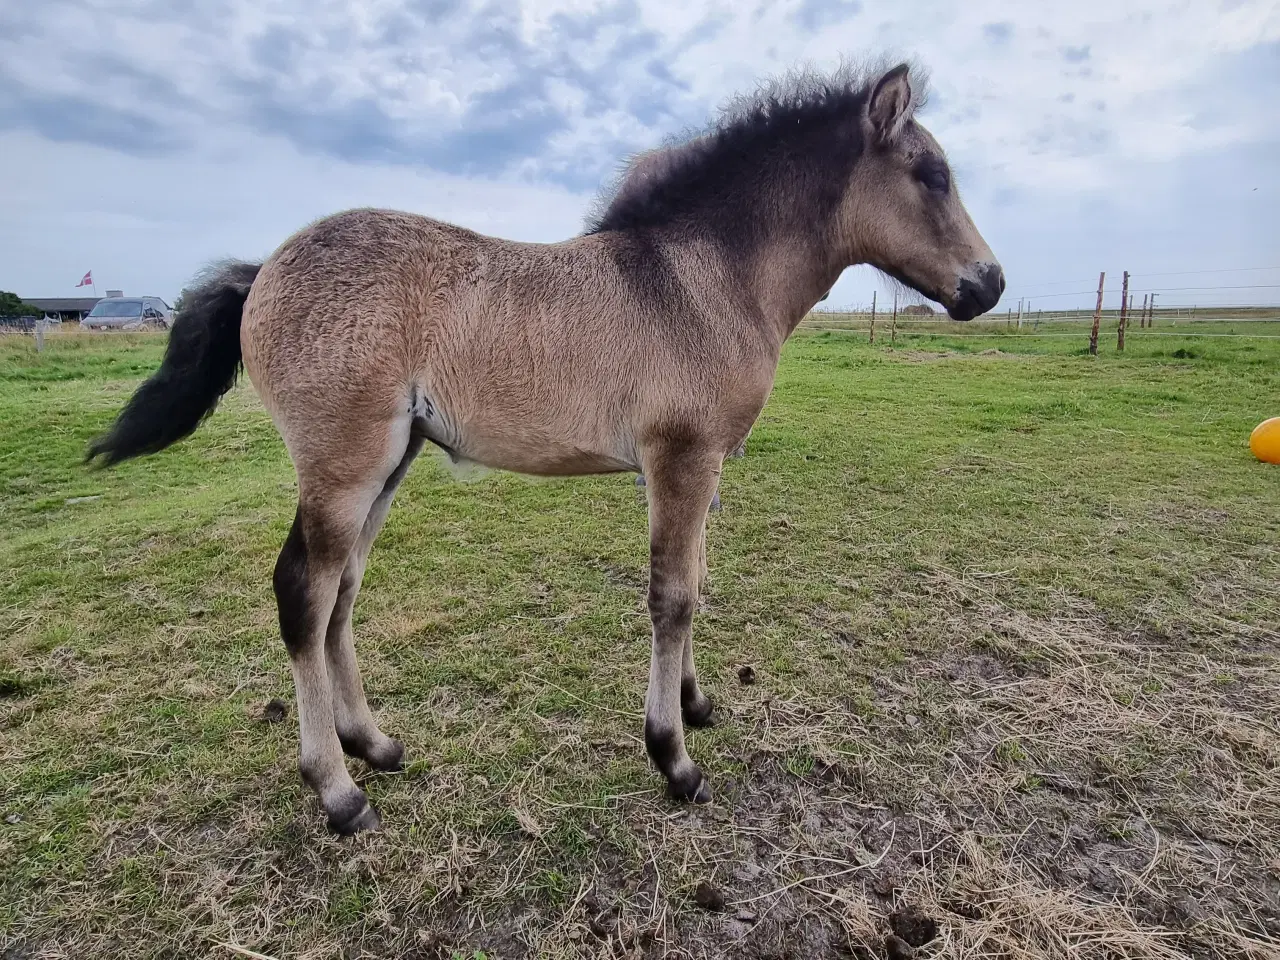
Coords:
pixel 540 358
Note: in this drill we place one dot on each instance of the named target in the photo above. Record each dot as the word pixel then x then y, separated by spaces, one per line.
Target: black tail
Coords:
pixel 200 364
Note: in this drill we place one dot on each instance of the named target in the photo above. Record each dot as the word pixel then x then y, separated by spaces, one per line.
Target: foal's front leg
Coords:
pixel 680 491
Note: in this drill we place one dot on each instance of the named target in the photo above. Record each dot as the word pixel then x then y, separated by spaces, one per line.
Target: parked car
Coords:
pixel 129 313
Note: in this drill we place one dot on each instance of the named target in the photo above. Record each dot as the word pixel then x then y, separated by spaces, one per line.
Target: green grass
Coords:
pixel 1093 529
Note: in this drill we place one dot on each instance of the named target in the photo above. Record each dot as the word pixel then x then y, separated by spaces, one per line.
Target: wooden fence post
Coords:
pixel 873 316
pixel 41 323
pixel 893 324
pixel 1124 313
pixel 1151 318
pixel 1097 317
pixel 1142 320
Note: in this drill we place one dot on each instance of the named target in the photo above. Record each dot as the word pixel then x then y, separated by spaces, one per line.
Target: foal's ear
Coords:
pixel 888 103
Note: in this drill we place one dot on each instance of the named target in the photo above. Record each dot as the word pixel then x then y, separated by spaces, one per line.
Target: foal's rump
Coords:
pixel 322 343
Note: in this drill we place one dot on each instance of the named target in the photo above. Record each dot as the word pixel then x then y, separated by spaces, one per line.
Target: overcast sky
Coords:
pixel 143 138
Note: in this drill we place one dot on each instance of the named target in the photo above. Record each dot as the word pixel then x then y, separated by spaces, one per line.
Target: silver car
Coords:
pixel 128 313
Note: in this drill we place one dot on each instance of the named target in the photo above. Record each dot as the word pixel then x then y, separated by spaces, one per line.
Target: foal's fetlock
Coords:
pixel 684 778
pixel 382 753
pixel 698 710
pixel 387 757
pixel 346 805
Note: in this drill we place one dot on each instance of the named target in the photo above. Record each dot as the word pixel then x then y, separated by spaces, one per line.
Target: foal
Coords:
pixel 647 344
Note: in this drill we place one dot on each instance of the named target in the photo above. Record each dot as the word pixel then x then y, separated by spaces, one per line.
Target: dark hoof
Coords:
pixel 699 713
pixel 365 818
pixel 691 789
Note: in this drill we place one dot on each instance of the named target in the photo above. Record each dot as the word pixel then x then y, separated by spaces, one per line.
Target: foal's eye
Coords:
pixel 935 176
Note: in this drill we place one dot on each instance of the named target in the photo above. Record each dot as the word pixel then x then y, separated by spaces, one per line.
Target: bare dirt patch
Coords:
pixel 924 356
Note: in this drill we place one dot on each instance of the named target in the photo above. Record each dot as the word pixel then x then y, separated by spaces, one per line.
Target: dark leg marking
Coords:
pixel 388 760
pixel 664 749
pixel 290 583
pixel 696 707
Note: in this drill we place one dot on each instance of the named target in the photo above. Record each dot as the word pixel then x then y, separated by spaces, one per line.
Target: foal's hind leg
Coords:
pixel 680 491
pixel 357 730
pixel 307 578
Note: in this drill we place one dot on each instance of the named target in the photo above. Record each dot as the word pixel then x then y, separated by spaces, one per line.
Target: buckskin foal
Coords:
pixel 647 344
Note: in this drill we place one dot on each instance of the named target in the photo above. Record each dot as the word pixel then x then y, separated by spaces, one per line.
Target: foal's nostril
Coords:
pixel 993 281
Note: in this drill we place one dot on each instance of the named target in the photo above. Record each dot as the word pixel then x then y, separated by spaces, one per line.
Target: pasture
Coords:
pixel 1010 615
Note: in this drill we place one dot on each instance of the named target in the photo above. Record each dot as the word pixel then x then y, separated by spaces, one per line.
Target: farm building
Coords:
pixel 69 309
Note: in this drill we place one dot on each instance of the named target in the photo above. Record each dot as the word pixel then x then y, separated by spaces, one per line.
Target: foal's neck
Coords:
pixel 790 280
pixel 788 272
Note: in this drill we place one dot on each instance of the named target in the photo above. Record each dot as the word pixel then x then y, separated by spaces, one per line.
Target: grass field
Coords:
pixel 1012 613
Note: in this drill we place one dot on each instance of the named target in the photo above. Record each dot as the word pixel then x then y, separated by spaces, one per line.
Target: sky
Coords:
pixel 141 139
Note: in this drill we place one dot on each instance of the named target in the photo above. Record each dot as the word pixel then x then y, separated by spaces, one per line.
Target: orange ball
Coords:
pixel 1265 441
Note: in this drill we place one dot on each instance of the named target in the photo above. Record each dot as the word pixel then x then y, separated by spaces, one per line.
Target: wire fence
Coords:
pixel 1256 323
pixel 1234 310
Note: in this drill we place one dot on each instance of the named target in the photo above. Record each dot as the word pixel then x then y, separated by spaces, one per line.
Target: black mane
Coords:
pixel 799 119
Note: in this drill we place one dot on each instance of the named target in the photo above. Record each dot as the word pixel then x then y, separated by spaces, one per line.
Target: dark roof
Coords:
pixel 63 304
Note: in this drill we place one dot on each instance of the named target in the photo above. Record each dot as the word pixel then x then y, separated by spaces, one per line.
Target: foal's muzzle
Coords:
pixel 978 291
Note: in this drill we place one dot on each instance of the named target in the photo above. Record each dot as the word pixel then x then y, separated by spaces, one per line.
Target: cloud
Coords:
pixel 1041 108
pixel 997 33
pixel 554 90
pixel 148 223
pixel 817 14
pixel 71 118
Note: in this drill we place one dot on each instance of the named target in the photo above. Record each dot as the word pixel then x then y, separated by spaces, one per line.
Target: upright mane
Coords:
pixel 785 114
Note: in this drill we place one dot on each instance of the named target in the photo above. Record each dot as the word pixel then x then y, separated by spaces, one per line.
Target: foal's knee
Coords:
pixel 670 608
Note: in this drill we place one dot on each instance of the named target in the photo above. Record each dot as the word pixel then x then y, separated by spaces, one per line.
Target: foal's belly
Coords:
pixel 481 422
pixel 534 451
pixel 551 462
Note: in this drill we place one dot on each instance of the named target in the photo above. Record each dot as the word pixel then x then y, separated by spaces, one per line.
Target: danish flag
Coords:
pixel 88 279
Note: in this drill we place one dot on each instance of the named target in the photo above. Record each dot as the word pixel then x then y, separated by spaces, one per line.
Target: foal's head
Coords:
pixel 836 158
pixel 902 213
